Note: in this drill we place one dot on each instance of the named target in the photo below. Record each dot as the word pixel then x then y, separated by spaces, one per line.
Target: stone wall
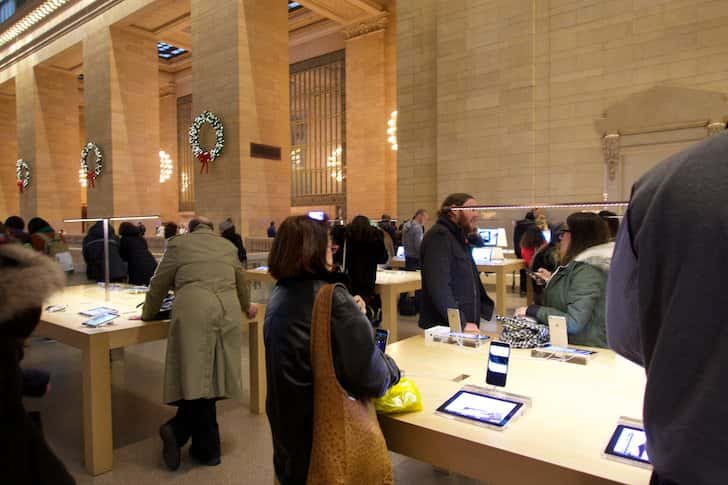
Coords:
pixel 499 98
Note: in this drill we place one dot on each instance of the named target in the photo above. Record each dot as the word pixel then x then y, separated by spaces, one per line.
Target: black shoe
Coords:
pixel 214 461
pixel 170 449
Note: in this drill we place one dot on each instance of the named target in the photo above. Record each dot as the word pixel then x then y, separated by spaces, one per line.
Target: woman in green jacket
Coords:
pixel 577 289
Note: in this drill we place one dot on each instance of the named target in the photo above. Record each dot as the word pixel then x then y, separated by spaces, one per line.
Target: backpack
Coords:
pixel 57 249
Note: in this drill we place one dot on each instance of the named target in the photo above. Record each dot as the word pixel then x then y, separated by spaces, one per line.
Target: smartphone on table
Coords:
pixel 497 371
pixel 381 337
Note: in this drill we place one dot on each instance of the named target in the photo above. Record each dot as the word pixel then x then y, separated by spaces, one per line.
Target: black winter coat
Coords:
pixel 93 254
pixel 134 250
pixel 237 241
pixel 28 278
pixel 362 258
pixel 450 278
pixel 518 232
pixel 361 368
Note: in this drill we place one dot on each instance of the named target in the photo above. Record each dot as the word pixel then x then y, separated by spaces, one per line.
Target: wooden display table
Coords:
pixel 559 440
pixel 389 285
pixel 501 269
pixel 95 345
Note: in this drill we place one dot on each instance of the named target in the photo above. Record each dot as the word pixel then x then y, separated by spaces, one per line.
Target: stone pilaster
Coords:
pixel 121 91
pixel 169 190
pixel 240 73
pixel 9 197
pixel 366 120
pixel 47 112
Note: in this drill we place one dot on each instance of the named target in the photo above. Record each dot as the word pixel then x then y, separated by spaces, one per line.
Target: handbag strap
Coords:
pixel 322 360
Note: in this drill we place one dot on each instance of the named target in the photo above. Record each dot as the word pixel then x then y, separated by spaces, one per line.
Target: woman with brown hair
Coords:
pixel 577 289
pixel 300 260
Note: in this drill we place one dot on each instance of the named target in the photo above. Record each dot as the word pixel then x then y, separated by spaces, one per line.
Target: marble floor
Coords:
pixel 137 413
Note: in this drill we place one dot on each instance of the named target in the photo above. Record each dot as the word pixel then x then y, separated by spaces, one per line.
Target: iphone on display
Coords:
pixel 497 370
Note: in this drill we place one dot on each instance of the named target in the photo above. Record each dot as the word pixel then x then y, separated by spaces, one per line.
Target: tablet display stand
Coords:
pixel 442 334
pixel 631 422
pixel 491 392
pixel 572 358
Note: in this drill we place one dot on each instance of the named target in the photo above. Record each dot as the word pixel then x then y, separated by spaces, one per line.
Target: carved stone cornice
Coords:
pixel 612 154
pixel 372 24
pixel 715 128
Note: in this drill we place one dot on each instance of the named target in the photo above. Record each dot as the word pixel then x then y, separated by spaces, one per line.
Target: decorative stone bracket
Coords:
pixel 715 128
pixel 612 153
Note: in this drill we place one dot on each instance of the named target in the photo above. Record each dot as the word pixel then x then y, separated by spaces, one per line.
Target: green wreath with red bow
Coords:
pixel 22 175
pixel 204 156
pixel 92 175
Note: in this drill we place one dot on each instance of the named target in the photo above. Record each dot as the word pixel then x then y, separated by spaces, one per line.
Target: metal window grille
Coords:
pixel 186 172
pixel 318 131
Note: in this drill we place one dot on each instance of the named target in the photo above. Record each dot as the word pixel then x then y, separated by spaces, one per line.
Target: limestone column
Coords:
pixel 366 119
pixel 121 92
pixel 240 73
pixel 47 111
pixel 9 197
pixel 169 194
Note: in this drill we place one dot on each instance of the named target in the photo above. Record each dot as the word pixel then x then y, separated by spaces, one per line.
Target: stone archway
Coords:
pixel 644 128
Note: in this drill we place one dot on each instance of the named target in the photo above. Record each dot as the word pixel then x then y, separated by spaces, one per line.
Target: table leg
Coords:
pixel 257 367
pixel 389 312
pixel 500 292
pixel 97 428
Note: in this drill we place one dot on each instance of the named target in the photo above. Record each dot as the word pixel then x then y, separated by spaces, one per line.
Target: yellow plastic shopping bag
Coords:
pixel 403 397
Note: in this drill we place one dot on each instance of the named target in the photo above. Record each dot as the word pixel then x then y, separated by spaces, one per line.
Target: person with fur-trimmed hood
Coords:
pixel 28 279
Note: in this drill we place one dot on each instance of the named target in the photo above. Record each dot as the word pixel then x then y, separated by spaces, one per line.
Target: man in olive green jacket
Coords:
pixel 577 292
pixel 203 346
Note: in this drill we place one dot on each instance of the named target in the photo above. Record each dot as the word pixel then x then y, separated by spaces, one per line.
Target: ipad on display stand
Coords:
pixel 628 443
pixel 484 407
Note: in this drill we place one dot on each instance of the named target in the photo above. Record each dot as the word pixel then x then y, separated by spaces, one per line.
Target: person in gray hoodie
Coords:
pixel 665 310
pixel 577 289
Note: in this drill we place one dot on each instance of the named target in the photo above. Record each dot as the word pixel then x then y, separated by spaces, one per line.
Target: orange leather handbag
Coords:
pixel 348 445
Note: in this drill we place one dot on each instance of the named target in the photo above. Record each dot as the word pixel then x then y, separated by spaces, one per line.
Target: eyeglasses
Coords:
pixel 563 231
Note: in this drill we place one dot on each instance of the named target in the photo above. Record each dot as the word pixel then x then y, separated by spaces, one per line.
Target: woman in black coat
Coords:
pixel 93 254
pixel 301 261
pixel 28 279
pixel 364 251
pixel 134 250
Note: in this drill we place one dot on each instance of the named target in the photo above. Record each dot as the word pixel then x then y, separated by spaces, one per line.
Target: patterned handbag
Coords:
pixel 348 445
pixel 523 332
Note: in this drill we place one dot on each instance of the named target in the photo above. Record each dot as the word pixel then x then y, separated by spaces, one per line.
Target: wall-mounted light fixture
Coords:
pixel 392 130
pixel 165 166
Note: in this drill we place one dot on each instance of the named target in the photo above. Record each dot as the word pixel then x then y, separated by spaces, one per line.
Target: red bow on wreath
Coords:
pixel 205 158
pixel 20 186
pixel 91 176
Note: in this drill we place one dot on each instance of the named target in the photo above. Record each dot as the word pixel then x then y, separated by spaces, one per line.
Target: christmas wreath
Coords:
pixel 22 174
pixel 98 166
pixel 205 156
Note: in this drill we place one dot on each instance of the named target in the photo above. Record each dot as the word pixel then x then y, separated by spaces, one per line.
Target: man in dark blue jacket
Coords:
pixel 450 278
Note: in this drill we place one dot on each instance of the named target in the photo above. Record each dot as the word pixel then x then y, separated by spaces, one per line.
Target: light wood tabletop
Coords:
pixel 559 439
pixel 95 344
pixel 389 284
